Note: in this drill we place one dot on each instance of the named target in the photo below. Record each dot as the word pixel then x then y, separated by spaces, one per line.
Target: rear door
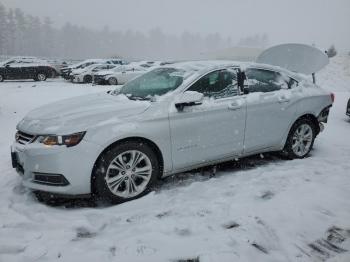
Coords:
pixel 271 107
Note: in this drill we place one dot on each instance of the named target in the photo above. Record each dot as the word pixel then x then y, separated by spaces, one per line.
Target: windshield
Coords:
pixel 156 82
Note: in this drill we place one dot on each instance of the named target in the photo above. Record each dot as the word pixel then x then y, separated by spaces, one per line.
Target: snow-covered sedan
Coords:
pixel 126 74
pixel 171 119
pixel 119 75
pixel 85 75
pixel 66 71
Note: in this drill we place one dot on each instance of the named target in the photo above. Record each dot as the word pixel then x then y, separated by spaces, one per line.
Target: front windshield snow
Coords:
pixel 156 82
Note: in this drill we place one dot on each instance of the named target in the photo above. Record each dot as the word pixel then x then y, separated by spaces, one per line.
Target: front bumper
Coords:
pixel 77 79
pixel 57 169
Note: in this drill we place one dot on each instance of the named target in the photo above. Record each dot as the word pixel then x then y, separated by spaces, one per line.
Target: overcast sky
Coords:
pixel 308 21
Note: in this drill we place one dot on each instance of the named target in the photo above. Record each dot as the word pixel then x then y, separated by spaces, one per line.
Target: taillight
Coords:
pixel 332 97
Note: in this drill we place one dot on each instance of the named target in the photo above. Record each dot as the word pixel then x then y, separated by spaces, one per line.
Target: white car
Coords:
pixel 120 74
pixel 124 74
pixel 65 72
pixel 171 119
pixel 85 75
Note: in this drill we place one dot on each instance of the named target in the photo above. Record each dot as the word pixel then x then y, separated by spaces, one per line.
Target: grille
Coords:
pixel 24 138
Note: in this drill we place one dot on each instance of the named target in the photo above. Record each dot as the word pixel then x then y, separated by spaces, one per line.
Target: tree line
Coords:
pixel 23 34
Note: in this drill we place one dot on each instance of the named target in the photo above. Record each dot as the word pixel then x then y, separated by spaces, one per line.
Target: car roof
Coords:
pixel 203 66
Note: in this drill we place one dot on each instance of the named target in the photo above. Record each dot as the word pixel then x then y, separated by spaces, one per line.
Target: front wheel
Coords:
pixel 113 81
pixel 126 172
pixel 300 139
pixel 87 79
pixel 40 77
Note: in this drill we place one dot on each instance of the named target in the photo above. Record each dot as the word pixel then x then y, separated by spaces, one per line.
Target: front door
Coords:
pixel 213 130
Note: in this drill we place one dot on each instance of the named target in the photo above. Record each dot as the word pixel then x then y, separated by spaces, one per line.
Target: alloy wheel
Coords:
pixel 128 174
pixel 41 77
pixel 113 81
pixel 302 140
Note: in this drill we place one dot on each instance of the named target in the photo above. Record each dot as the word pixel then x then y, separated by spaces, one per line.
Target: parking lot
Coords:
pixel 261 208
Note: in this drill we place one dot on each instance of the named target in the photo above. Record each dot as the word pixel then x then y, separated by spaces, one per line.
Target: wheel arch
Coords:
pixel 313 119
pixel 307 115
pixel 147 141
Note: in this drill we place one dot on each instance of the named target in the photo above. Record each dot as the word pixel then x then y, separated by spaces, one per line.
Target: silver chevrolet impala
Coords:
pixel 172 119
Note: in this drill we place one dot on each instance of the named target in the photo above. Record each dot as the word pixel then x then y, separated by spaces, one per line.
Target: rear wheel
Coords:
pixel 1 78
pixel 40 77
pixel 300 139
pixel 126 172
pixel 113 81
pixel 87 79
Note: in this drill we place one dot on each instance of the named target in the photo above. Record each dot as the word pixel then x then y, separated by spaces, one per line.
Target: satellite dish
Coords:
pixel 298 58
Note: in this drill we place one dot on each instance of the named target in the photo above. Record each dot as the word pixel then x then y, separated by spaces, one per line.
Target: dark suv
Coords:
pixel 26 68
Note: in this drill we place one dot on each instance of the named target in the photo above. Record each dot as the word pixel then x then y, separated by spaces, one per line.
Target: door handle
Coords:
pixel 234 106
pixel 283 99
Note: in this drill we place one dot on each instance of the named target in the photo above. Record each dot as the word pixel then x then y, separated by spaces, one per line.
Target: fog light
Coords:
pixel 50 179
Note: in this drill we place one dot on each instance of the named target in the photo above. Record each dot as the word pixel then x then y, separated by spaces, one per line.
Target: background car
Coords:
pixel 348 108
pixel 112 76
pixel 124 74
pixel 66 71
pixel 85 75
pixel 26 68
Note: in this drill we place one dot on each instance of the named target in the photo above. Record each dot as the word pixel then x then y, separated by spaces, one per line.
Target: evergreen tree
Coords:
pixel 3 31
pixel 331 52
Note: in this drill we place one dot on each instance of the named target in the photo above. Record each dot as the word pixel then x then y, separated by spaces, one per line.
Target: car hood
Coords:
pixel 80 113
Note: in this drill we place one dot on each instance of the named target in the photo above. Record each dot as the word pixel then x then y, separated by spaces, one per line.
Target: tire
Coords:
pixel 87 79
pixel 300 139
pixel 115 175
pixel 113 81
pixel 40 77
pixel 1 78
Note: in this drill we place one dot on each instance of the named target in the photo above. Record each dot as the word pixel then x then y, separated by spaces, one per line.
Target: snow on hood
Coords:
pixel 80 113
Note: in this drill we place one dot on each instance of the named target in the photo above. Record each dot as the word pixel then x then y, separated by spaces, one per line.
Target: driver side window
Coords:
pixel 217 84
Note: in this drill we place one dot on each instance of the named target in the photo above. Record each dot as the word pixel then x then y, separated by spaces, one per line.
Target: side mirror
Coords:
pixel 7 66
pixel 188 98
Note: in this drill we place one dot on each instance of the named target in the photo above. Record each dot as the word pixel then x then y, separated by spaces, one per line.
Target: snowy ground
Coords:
pixel 259 209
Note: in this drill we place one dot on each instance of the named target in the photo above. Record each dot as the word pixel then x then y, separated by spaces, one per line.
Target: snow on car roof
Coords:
pixel 201 66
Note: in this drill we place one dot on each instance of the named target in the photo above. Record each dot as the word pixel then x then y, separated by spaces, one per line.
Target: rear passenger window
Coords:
pixel 261 80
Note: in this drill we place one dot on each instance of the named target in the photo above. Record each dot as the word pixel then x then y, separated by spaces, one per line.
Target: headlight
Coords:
pixel 67 140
